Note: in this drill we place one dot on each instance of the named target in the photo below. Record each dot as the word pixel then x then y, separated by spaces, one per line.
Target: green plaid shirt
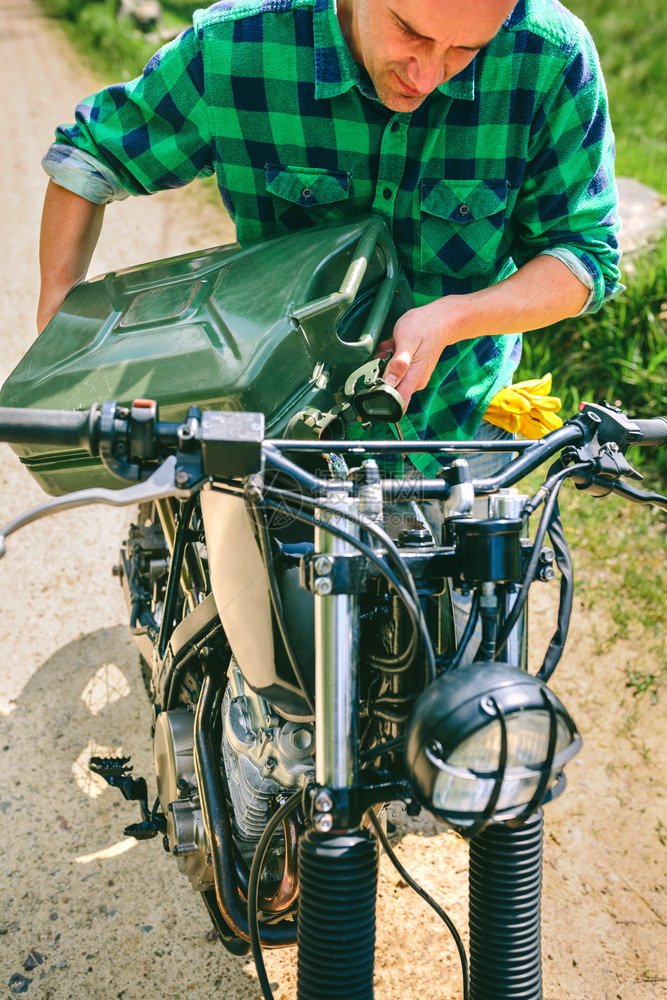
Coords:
pixel 511 158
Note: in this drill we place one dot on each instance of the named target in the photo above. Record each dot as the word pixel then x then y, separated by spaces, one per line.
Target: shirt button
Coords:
pixel 463 209
pixel 386 193
pixel 306 193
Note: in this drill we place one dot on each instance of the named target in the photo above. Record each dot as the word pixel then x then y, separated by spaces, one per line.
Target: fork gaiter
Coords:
pixel 505 877
pixel 336 934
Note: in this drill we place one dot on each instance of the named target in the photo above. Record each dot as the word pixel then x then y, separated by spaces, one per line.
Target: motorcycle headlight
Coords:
pixel 488 743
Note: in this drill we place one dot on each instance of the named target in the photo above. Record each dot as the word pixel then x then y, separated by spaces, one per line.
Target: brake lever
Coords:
pixel 603 466
pixel 634 495
pixel 161 484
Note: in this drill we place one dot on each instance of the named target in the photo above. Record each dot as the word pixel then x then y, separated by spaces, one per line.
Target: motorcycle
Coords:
pixel 293 609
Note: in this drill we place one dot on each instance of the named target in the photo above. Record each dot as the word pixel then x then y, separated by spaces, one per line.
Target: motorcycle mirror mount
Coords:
pixel 488 743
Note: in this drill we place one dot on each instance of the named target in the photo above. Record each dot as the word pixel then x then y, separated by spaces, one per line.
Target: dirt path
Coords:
pixel 84 913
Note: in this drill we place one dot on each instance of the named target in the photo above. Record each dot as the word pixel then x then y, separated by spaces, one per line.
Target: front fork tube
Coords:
pixel 336 659
pixel 505 868
pixel 338 862
pixel 505 884
pixel 496 603
pixel 516 648
pixel 509 503
pixel 505 877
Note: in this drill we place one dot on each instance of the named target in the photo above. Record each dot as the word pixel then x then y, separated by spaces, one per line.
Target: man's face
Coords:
pixel 410 47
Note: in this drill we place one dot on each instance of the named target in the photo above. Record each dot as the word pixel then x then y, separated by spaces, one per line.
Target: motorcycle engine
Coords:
pixel 263 756
pixel 173 750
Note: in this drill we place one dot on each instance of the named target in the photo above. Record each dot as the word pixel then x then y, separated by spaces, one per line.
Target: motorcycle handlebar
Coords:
pixel 85 430
pixel 63 428
pixel 653 432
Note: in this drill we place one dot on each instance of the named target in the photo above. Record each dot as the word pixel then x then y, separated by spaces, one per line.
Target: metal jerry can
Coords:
pixel 275 327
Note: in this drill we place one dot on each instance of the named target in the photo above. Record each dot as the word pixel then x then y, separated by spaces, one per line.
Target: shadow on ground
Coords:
pixel 85 911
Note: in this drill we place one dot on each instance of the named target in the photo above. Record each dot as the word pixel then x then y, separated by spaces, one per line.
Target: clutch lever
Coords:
pixel 161 484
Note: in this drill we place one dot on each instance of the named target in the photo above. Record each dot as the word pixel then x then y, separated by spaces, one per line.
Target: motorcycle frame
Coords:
pixel 593 446
pixel 337 802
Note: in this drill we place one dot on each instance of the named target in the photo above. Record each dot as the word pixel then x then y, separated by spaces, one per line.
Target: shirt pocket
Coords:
pixel 463 226
pixel 306 195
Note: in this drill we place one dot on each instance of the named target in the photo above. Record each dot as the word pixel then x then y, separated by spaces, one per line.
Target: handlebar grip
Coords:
pixel 653 432
pixel 64 428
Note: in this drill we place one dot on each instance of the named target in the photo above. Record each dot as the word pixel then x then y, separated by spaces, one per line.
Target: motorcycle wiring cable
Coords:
pixel 444 916
pixel 373 529
pixel 563 559
pixel 556 473
pixel 564 563
pixel 466 636
pixel 531 569
pixel 381 748
pixel 253 889
pixel 412 607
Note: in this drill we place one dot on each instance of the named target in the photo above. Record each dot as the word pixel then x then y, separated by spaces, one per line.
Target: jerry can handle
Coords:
pixel 336 303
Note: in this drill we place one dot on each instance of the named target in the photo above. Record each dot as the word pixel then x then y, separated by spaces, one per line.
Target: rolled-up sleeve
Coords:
pixel 569 197
pixel 140 137
pixel 81 173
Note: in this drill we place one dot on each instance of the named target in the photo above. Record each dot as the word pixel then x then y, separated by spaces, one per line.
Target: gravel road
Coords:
pixel 86 913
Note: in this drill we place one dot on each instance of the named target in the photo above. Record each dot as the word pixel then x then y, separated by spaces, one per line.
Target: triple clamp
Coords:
pixel 323 575
pixel 336 809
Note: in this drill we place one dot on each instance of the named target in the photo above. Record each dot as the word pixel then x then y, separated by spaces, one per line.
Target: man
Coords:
pixel 476 129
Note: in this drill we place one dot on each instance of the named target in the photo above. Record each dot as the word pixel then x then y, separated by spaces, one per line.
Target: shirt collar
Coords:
pixel 336 71
pixel 462 85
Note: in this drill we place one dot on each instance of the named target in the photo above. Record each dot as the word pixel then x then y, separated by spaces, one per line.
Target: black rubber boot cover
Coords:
pixel 336 931
pixel 505 878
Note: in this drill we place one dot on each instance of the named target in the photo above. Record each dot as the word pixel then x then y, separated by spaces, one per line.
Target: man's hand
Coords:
pixel 541 292
pixel 420 337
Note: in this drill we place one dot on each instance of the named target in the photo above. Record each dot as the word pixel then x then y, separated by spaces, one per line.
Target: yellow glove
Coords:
pixel 526 408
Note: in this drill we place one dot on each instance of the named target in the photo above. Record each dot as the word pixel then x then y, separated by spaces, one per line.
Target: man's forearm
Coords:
pixel 542 292
pixel 70 229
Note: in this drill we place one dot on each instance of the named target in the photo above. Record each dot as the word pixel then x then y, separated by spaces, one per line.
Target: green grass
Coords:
pixel 618 354
pixel 110 46
pixel 632 41
pixel 182 9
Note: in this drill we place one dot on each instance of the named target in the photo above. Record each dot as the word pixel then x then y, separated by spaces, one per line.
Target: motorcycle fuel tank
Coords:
pixel 274 327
